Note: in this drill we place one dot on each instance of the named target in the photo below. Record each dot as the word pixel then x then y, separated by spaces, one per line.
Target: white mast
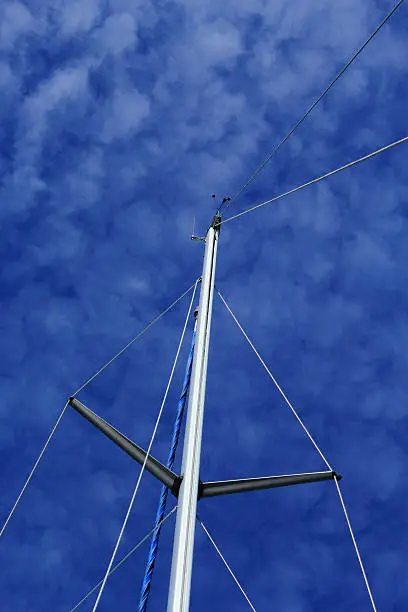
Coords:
pixel 180 580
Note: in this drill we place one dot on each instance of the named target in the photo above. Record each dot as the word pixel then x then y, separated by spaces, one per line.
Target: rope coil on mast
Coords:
pixel 154 546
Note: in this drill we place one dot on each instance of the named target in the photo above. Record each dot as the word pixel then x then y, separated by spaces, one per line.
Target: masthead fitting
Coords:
pixel 216 222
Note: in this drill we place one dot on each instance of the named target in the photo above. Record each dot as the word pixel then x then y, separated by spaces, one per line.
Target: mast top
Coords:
pixel 216 222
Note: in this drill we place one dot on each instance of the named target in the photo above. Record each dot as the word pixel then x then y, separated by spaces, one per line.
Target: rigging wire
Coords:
pixel 34 468
pixel 125 558
pixel 225 563
pixel 316 180
pixel 275 382
pixel 139 335
pixel 122 530
pixel 315 103
pixel 355 544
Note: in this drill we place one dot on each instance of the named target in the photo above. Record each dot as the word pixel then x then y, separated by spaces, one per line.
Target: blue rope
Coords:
pixel 154 545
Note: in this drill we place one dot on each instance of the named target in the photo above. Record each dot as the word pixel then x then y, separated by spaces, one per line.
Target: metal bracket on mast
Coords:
pixel 197 238
pixel 173 481
pixel 227 487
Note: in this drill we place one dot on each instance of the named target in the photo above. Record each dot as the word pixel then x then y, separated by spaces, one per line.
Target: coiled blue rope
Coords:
pixel 154 545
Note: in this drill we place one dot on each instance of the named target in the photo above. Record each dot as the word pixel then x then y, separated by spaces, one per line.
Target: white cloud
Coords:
pixel 64 85
pixel 15 21
pixel 216 43
pixel 125 114
pixel 6 76
pixel 117 34
pixel 79 16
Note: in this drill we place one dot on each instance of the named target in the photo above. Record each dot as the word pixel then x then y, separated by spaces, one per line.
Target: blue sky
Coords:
pixel 118 120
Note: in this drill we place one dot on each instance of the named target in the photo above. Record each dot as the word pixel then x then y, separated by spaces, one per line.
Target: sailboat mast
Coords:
pixel 180 579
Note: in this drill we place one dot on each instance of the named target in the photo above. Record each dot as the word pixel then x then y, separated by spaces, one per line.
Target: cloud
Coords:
pixel 117 33
pixel 16 21
pixel 128 110
pixel 78 17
